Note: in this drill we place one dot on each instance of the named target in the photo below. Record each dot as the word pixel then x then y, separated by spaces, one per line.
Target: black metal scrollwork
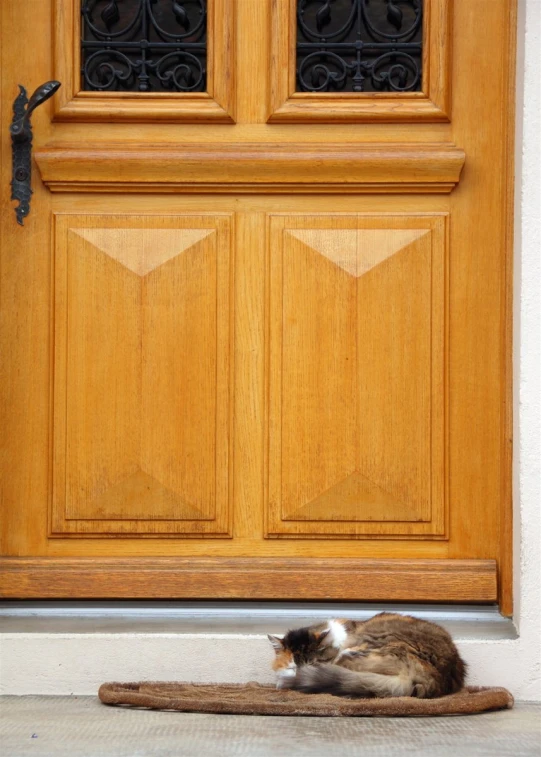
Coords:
pixel 144 45
pixel 359 45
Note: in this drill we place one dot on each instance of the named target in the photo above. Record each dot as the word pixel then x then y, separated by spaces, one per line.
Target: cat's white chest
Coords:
pixel 337 634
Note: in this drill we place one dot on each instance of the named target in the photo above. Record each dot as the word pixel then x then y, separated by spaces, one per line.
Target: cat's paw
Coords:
pixel 285 678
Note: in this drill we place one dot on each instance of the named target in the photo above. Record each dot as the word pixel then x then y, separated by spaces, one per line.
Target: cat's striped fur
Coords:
pixel 387 655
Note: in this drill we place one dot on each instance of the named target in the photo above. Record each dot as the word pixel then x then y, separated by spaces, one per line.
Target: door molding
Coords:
pixel 247 578
pixel 257 167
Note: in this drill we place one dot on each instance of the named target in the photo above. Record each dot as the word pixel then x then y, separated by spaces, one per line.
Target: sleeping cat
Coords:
pixel 385 656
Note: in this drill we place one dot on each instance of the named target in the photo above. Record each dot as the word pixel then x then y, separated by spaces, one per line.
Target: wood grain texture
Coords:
pixel 477 309
pixel 207 578
pixel 356 371
pixel 142 388
pixel 24 298
pixel 432 104
pixel 217 105
pixel 312 169
pixel 234 167
pixel 507 224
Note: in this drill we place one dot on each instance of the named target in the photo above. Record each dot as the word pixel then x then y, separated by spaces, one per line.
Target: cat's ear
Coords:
pixel 276 642
pixel 322 636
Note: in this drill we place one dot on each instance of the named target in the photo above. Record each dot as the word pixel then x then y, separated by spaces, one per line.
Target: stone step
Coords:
pixel 71 648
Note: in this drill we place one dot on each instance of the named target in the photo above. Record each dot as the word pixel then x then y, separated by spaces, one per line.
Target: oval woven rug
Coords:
pixel 258 699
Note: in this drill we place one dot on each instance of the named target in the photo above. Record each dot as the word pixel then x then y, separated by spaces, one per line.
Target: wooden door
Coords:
pixel 256 326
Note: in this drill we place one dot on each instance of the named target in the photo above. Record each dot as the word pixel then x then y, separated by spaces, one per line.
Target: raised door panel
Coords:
pixel 142 375
pixel 357 386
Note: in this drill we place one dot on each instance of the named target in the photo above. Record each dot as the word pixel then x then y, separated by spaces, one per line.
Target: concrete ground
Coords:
pixel 82 727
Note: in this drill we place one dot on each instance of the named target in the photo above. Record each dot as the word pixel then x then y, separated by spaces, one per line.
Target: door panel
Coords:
pixel 356 376
pixel 141 381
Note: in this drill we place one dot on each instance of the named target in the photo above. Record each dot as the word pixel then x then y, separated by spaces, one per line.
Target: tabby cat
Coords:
pixel 388 655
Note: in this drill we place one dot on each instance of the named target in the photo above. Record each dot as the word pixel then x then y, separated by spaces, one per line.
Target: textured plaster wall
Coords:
pixel 527 355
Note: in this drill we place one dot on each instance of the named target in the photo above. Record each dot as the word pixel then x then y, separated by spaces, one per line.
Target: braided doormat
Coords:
pixel 257 699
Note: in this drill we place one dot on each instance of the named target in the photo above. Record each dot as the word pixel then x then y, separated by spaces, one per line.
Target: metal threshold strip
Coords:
pixel 251 618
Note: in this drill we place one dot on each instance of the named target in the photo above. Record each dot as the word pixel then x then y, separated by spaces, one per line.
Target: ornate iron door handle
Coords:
pixel 21 144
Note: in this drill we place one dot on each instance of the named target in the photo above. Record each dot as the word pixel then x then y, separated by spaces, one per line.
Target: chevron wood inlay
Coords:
pixel 148 499
pixel 143 250
pixel 357 251
pixel 353 493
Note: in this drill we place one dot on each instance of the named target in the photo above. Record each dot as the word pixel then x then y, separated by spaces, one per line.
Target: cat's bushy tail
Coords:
pixel 333 679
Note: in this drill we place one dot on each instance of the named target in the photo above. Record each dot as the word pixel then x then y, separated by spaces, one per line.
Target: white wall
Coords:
pixel 523 658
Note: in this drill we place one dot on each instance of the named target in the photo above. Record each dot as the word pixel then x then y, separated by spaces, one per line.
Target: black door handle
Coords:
pixel 21 144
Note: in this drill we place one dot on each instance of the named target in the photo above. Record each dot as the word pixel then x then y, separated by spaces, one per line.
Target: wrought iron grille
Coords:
pixel 359 45
pixel 144 45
